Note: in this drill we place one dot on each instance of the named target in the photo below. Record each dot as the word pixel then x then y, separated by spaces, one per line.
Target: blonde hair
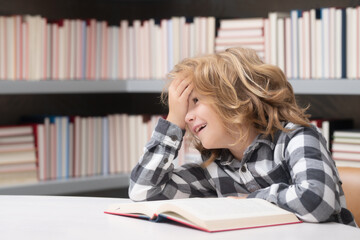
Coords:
pixel 244 92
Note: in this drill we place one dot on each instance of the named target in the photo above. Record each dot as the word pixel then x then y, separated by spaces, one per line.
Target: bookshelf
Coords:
pixel 301 86
pixel 328 98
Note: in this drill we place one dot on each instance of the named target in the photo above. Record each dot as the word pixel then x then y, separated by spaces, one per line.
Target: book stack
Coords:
pixel 17 155
pixel 246 33
pixel 346 148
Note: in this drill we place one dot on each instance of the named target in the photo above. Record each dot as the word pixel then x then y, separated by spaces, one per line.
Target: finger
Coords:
pixel 178 79
pixel 175 83
pixel 187 91
pixel 174 86
pixel 182 86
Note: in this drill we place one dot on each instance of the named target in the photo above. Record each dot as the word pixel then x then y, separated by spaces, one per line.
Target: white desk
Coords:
pixel 49 217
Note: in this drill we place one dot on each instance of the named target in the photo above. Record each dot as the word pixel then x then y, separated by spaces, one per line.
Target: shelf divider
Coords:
pixel 326 86
pixel 301 86
pixel 69 186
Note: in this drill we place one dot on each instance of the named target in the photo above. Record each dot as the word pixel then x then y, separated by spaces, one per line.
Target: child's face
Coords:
pixel 205 123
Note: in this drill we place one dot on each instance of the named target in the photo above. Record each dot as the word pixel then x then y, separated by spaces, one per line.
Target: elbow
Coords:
pixel 135 197
pixel 315 217
pixel 318 206
pixel 137 193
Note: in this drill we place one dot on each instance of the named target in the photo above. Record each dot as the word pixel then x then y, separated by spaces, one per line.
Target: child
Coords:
pixel 255 141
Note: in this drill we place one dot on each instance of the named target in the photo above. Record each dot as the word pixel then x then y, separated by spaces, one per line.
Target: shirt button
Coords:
pixel 252 188
pixel 243 169
pixel 166 160
pixel 174 138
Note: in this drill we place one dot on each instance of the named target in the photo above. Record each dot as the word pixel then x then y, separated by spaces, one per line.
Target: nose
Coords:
pixel 190 116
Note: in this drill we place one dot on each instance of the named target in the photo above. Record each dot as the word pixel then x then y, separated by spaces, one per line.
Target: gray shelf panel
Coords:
pixel 145 86
pixel 69 186
pixel 80 86
pixel 312 86
pixel 326 86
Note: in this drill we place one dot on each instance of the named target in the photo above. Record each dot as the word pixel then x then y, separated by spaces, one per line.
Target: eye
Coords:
pixel 195 100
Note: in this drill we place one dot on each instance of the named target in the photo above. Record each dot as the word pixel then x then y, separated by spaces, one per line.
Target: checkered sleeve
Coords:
pixel 314 191
pixel 155 178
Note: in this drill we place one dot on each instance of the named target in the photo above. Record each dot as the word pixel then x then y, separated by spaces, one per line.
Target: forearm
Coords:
pixel 155 166
pixel 150 176
pixel 154 177
pixel 307 201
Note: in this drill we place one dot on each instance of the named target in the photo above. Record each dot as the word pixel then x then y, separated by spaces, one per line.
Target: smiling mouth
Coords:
pixel 199 128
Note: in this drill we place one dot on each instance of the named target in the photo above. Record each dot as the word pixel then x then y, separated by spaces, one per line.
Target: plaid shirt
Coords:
pixel 294 171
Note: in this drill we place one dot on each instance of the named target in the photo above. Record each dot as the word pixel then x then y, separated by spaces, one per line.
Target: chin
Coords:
pixel 208 146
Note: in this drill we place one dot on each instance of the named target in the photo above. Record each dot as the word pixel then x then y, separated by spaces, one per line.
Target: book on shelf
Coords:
pixel 351 42
pixel 241 23
pixel 350 134
pixel 346 140
pixel 294 16
pixel 239 40
pixel 230 33
pixel 17 147
pixel 347 163
pixel 345 147
pixel 23 156
pixel 7 131
pixel 277 38
pixel 14 140
pixel 304 45
pixel 13 167
pixel 18 176
pixel 348 156
pixel 208 214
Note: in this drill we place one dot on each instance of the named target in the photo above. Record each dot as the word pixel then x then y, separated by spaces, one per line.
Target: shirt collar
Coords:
pixel 226 158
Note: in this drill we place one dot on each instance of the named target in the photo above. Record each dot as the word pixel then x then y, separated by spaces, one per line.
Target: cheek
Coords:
pixel 212 139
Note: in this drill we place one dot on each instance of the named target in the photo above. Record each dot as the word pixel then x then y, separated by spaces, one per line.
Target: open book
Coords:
pixel 209 214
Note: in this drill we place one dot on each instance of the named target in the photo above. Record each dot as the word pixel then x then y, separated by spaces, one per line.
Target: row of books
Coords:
pixel 34 48
pixel 87 146
pixel 61 147
pixel 317 44
pixel 313 44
